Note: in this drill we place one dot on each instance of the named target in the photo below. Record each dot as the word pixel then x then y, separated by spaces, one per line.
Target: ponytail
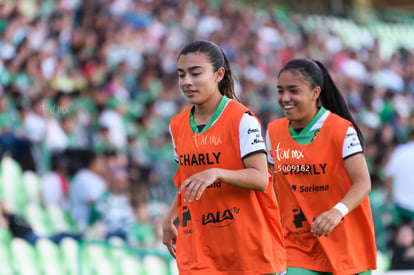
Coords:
pixel 332 99
pixel 226 85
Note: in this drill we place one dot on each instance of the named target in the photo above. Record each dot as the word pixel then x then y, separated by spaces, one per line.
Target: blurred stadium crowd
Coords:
pixel 87 89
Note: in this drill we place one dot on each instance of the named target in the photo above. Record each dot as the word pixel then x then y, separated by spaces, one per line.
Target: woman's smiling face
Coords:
pixel 296 98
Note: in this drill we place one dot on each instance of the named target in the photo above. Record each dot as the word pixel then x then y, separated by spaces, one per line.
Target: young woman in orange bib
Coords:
pixel 229 220
pixel 321 177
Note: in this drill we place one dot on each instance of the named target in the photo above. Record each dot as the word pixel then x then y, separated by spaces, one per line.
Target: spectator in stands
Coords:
pixel 34 124
pixel 102 140
pixel 143 232
pixel 20 228
pixel 112 118
pixel 11 139
pixel 403 249
pixel 400 181
pixel 112 210
pixel 88 184
pixel 55 183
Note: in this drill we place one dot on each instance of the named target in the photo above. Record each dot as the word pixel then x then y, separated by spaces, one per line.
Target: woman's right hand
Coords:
pixel 169 232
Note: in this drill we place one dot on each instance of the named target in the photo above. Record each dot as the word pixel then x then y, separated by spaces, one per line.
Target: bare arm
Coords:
pixel 389 188
pixel 409 254
pixel 172 212
pixel 254 176
pixel 357 170
pixel 3 210
pixel 168 228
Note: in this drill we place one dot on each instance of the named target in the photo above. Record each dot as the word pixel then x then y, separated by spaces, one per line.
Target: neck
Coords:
pixel 205 111
pixel 300 124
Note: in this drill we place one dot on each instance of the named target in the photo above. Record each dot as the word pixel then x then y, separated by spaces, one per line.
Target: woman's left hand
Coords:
pixel 326 222
pixel 197 183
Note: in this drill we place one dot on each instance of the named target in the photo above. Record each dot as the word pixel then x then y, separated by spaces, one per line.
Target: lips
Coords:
pixel 288 107
pixel 189 92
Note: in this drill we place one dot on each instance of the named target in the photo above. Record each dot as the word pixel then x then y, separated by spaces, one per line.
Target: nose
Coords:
pixel 186 80
pixel 284 96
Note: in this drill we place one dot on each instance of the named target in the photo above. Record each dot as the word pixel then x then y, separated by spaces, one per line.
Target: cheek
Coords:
pixel 309 100
pixel 279 98
pixel 204 80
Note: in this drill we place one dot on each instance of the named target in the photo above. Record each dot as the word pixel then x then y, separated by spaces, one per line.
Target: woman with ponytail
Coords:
pixel 321 177
pixel 229 220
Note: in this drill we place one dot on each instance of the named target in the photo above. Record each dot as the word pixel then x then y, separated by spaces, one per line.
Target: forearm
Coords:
pixel 254 176
pixel 361 184
pixel 409 254
pixel 248 178
pixel 356 194
pixel 172 212
pixel 3 221
pixel 169 230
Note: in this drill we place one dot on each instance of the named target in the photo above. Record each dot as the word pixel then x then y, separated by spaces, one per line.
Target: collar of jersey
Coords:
pixel 216 115
pixel 309 128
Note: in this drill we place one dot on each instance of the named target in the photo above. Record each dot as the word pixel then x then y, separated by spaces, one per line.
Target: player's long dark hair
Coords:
pixel 330 97
pixel 218 59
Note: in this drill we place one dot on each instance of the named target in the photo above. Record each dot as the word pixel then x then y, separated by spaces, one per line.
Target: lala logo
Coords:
pixel 220 218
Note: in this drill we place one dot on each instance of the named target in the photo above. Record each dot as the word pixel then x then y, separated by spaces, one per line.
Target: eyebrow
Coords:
pixel 190 69
pixel 289 86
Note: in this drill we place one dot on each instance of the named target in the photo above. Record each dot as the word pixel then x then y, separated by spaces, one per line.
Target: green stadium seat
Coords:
pixel 117 255
pixel 124 258
pixel 24 257
pixel 92 253
pixel 5 236
pixel 130 265
pixel 118 250
pixel 6 267
pixel 71 222
pixel 116 241
pixel 69 250
pixel 12 191
pixel 391 36
pixel 105 267
pixel 22 250
pixel 47 251
pixel 53 268
pixel 39 219
pixel 383 261
pixel 28 268
pixel 173 267
pixel 58 219
pixel 155 265
pixel 31 183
